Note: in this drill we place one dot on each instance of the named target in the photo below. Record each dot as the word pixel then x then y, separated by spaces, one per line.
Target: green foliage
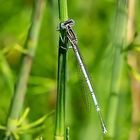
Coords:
pixel 94 27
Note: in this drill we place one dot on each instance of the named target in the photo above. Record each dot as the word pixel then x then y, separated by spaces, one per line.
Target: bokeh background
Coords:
pixel 94 22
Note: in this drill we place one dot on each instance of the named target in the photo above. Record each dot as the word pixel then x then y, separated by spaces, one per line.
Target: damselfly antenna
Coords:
pixel 67 25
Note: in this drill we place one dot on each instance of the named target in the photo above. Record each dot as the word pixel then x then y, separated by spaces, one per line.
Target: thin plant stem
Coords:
pixel 22 81
pixel 133 59
pixel 61 79
pixel 118 44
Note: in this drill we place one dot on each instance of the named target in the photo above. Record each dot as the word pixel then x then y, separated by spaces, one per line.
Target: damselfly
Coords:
pixel 67 25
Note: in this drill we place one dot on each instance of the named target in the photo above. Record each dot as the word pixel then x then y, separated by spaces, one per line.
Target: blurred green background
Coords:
pixel 94 22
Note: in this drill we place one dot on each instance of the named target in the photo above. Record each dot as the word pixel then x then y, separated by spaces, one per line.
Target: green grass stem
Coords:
pixel 61 81
pixel 118 44
pixel 22 81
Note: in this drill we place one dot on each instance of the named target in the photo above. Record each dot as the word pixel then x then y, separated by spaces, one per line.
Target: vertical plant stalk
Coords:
pixel 131 20
pixel 61 79
pixel 133 59
pixel 118 45
pixel 21 85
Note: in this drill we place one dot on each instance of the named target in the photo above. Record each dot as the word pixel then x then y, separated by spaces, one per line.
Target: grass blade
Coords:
pixel 21 85
pixel 61 81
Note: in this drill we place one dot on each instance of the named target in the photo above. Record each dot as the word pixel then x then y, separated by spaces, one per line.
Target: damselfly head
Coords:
pixel 69 22
pixel 65 24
